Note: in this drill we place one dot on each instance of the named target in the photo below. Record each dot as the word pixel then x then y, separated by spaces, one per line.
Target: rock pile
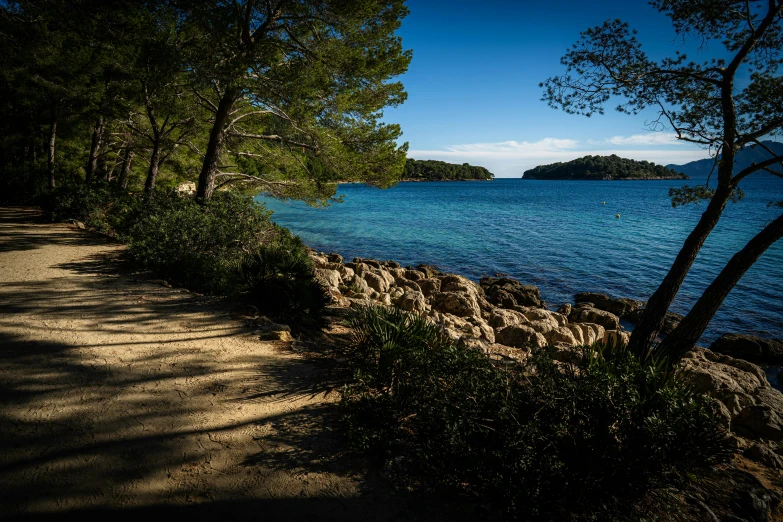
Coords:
pixel 497 314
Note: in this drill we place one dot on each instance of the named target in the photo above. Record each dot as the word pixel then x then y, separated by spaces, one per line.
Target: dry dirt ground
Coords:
pixel 122 397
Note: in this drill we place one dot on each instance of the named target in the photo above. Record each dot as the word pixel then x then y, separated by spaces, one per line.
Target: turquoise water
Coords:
pixel 557 235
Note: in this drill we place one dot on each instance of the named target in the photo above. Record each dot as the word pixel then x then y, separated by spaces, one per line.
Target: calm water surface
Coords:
pixel 557 235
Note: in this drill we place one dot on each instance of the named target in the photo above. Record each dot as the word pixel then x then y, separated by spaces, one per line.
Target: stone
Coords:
pixel 375 281
pixel 561 335
pixel 319 261
pixel 585 314
pixel 428 286
pixel 723 414
pixel 385 299
pixel 759 421
pixel 411 300
pixel 386 275
pixel 500 317
pixel 391 264
pixel 188 188
pixel 750 348
pixel 619 307
pixel 587 334
pixel 369 262
pixel 764 455
pixel 616 337
pixel 427 270
pixel 331 278
pixel 565 309
pixel 270 331
pixel 335 258
pixel 722 377
pixel 523 295
pixel 455 303
pixel 520 336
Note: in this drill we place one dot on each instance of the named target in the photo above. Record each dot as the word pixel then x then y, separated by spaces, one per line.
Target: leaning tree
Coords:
pixel 723 104
pixel 296 89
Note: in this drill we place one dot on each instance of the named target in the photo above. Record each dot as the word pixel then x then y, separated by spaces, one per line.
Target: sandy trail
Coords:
pixel 122 396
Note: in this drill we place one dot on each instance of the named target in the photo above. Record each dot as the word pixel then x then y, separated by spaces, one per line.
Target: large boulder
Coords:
pixel 561 335
pixel 619 307
pixel 587 334
pixel 750 347
pixel 758 421
pixel 616 337
pixel 428 286
pixel 459 304
pixel 414 275
pixel 330 278
pixel 411 300
pixel 505 292
pixel 376 281
pixel 369 262
pixel 587 314
pixel 500 318
pixel 335 258
pixel 755 407
pixel 520 336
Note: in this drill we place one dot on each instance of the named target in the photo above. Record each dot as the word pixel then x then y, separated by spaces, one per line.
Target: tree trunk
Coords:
pixel 95 147
pixel 690 329
pixel 152 173
pixel 52 138
pixel 126 167
pixel 217 136
pixel 651 322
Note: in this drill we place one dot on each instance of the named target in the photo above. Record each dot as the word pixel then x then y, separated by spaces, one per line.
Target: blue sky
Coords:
pixel 473 92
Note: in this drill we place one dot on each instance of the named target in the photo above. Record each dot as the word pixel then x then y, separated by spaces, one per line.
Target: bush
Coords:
pixel 566 441
pixel 203 247
pixel 281 281
pixel 102 206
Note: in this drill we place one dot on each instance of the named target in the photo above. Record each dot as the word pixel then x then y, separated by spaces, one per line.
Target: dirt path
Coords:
pixel 121 396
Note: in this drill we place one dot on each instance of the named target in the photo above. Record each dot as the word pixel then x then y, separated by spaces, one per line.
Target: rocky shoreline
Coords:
pixel 507 319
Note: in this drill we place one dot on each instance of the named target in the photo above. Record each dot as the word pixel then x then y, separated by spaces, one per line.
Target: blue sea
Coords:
pixel 562 236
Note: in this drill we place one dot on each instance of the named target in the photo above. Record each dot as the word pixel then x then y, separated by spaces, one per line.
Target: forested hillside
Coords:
pixel 432 170
pixel 602 168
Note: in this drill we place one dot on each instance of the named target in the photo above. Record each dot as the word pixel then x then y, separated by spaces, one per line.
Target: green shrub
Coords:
pixel 563 442
pixel 204 247
pixel 281 281
pixel 101 206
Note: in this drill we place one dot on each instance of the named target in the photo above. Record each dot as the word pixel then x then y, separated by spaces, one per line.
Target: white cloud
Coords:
pixel 512 158
pixel 650 138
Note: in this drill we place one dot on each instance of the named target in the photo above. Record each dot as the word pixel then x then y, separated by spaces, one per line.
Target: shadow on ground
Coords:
pixel 122 398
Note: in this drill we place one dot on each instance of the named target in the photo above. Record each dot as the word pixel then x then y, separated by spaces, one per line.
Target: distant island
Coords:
pixel 602 168
pixel 744 158
pixel 432 170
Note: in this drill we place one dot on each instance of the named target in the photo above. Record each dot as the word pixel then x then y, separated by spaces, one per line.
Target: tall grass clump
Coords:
pixel 546 440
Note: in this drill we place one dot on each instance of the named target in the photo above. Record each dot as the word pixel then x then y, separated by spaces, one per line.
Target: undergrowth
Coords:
pixel 545 441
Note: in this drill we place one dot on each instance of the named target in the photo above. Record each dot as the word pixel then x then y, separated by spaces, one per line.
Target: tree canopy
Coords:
pixel 284 97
